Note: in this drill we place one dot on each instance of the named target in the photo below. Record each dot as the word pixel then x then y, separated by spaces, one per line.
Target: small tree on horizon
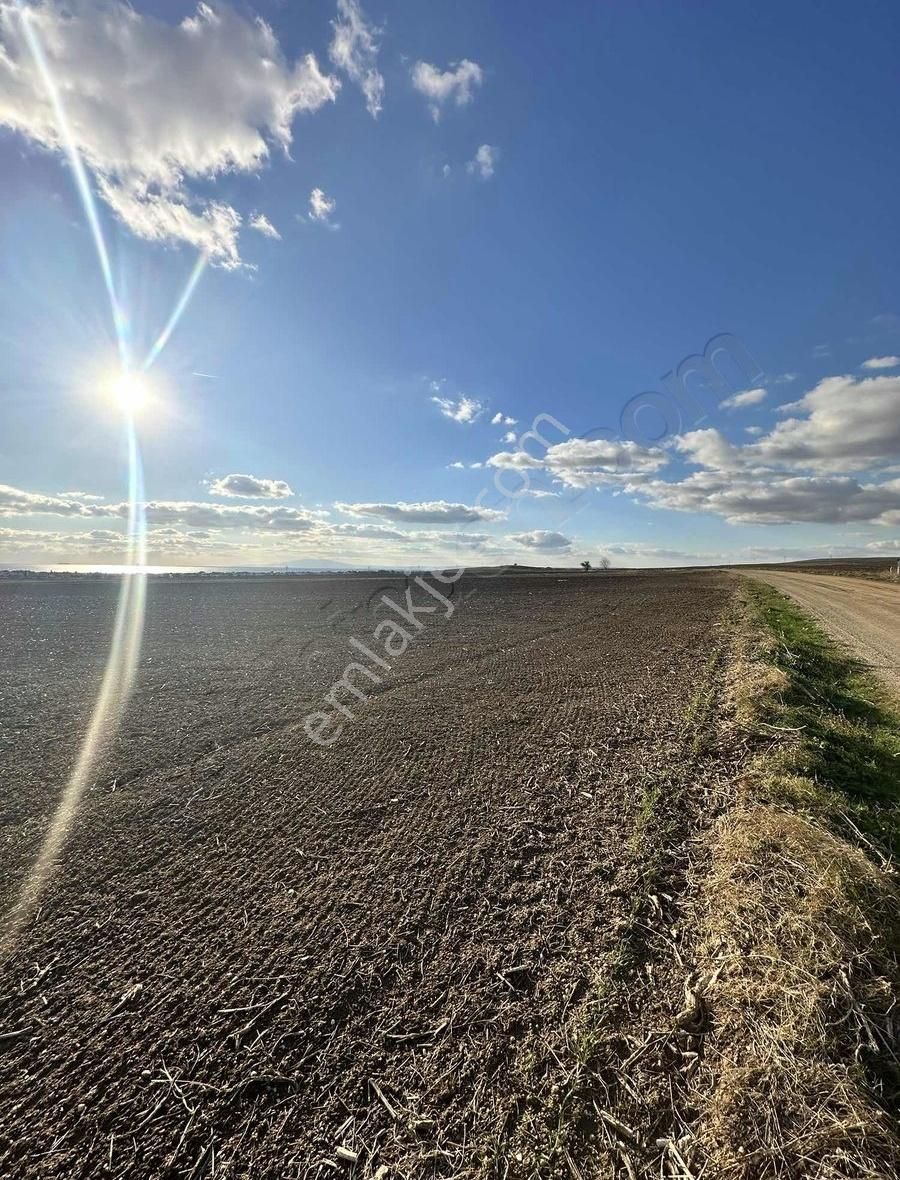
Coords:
pixel 586 566
pixel 605 563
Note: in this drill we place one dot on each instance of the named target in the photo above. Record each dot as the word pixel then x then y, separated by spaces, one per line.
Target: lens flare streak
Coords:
pixel 109 708
pixel 178 311
pixel 79 173
pixel 125 647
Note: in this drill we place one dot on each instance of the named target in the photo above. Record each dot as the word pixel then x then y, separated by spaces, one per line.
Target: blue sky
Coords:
pixel 480 210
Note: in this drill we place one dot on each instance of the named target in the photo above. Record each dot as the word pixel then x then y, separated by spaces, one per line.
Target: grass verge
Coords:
pixel 798 918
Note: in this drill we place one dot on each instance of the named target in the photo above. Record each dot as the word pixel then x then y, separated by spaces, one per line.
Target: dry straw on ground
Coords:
pixel 800 1069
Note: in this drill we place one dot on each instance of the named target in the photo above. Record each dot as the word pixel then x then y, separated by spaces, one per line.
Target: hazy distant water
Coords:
pixel 121 569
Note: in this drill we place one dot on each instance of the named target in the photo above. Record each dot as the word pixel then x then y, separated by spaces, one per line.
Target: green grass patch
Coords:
pixel 845 761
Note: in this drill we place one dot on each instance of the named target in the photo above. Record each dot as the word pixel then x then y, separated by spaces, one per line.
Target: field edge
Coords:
pixel 798 916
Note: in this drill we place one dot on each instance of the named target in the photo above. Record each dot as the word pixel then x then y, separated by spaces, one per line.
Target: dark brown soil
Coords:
pixel 260 958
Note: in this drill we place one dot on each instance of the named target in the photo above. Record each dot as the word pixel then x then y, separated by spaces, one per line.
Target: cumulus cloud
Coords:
pixel 57 543
pixel 842 425
pixel 461 409
pixel 749 397
pixel 369 532
pixel 16 502
pixel 354 50
pixel 585 463
pixel 199 515
pixel 828 463
pixel 768 499
pixel 710 448
pixel 847 424
pixel 152 107
pixel 250 487
pixel 321 207
pixel 500 419
pixel 430 512
pixel 514 460
pixel 189 513
pixel 484 162
pixel 831 461
pixel 543 539
pixel 262 225
pixel 456 84
pixel 882 362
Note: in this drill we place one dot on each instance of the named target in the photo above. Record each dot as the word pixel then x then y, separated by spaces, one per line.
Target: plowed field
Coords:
pixel 418 952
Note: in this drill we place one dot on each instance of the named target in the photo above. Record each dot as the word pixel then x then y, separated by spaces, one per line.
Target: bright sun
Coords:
pixel 130 390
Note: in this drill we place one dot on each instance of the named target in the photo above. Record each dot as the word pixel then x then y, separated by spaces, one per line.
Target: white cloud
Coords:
pixel 152 107
pixel 500 419
pixel 354 49
pixel 543 539
pixel 484 162
pixel 321 207
pixel 261 223
pixel 37 540
pixel 370 532
pixel 587 463
pixel 430 512
pixel 583 462
pixel 771 499
pixel 846 425
pixel 193 514
pixel 509 437
pixel 882 362
pixel 199 515
pixel 514 460
pixel 709 448
pixel 456 84
pixel 831 463
pixel 849 424
pixel 250 487
pixel 749 397
pixel 16 502
pixel 461 409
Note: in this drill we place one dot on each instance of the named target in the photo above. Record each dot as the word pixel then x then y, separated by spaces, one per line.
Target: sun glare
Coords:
pixel 130 391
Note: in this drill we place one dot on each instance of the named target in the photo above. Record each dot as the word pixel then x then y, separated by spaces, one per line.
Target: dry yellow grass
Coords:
pixel 799 928
pixel 803 1039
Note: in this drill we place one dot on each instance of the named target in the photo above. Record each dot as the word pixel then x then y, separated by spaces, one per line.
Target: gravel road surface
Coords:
pixel 862 614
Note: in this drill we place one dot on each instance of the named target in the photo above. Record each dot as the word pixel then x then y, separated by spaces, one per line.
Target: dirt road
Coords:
pixel 865 615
